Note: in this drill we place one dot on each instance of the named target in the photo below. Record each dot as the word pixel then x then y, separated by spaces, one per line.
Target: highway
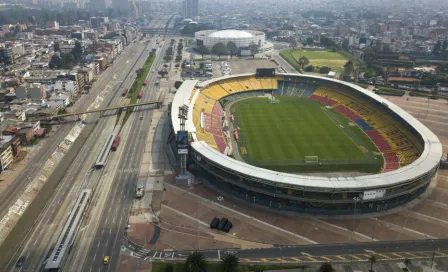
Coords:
pixel 388 251
pixel 80 175
pixel 109 237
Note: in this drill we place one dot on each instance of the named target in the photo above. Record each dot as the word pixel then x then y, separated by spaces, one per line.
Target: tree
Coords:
pixel 303 267
pixel 444 48
pixel 348 67
pixel 303 61
pixel 386 48
pixel 372 260
pixel 309 41
pixel 254 48
pixel 219 49
pixel 407 262
pixel 55 62
pixel 369 54
pixel 309 68
pixel 232 48
pixel 56 47
pixel 202 50
pixel 229 263
pixel 437 48
pixel 77 51
pixel 196 262
pixel 294 44
pixel 324 70
pixel 169 268
pixel 326 267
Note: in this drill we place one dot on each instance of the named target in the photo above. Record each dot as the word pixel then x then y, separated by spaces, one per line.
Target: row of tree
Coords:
pixel 197 262
pixel 441 48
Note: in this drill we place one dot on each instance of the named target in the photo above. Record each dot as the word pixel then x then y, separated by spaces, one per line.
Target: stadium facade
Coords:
pixel 242 39
pixel 411 151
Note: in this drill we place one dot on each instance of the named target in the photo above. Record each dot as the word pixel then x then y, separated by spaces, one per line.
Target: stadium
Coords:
pixel 242 39
pixel 303 144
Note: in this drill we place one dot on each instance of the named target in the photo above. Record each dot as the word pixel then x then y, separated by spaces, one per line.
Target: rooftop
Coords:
pixel 231 33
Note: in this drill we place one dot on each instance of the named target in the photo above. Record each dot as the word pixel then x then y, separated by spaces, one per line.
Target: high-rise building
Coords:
pixel 190 9
pixel 121 5
pixel 98 4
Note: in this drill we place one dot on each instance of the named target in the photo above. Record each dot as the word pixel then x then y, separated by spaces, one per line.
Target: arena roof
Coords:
pixel 429 158
pixel 182 98
pixel 230 34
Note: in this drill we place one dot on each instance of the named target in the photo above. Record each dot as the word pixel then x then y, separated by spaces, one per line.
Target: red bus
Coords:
pixel 115 143
pixel 125 91
pixel 140 94
pixel 145 83
pixel 236 135
pixel 232 118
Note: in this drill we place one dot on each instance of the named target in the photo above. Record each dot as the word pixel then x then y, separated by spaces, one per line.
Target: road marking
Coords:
pixel 326 258
pixel 370 251
pixel 306 254
pixel 397 255
pixel 411 254
pixel 341 258
pixel 311 258
pixel 382 255
pixel 244 215
pixel 296 259
pixel 356 257
pixel 154 254
pixel 264 260
pixel 94 257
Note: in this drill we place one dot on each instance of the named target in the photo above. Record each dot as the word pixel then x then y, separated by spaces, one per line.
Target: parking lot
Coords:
pixel 240 66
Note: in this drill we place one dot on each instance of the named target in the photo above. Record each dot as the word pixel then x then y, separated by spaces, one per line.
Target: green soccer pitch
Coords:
pixel 283 136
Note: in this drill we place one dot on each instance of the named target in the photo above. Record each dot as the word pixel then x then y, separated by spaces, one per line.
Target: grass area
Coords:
pixel 138 84
pixel 280 136
pixel 179 267
pixel 334 60
pixel 389 91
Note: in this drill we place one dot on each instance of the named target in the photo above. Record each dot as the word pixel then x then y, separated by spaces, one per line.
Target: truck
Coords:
pixel 145 83
pixel 139 192
pixel 125 92
pixel 140 94
pixel 115 143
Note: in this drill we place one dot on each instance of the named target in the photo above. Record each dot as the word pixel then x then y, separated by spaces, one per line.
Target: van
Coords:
pixel 223 223
pixel 215 223
pixel 227 227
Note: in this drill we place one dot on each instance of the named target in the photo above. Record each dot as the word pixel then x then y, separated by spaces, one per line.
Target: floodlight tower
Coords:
pixel 184 176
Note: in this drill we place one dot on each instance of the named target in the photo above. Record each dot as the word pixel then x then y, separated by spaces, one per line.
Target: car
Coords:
pixel 141 117
pixel 106 259
pixel 20 261
pixel 227 227
pixel 215 223
pixel 222 223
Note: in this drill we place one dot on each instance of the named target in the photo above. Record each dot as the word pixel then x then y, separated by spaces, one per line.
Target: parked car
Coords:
pixel 215 223
pixel 227 227
pixel 222 223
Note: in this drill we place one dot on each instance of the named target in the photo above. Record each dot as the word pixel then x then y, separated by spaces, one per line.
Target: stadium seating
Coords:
pixel 393 136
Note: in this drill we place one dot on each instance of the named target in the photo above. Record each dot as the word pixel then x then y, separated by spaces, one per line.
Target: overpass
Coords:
pixel 158 103
pixel 159 31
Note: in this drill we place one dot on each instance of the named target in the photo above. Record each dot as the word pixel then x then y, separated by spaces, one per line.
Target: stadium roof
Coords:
pixel 429 158
pixel 231 33
pixel 182 98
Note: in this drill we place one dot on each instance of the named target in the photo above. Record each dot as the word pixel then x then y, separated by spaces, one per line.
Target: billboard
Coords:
pixel 264 72
pixel 373 194
pixel 182 140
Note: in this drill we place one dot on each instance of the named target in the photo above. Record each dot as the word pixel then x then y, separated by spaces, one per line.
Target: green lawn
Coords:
pixel 280 136
pixel 335 60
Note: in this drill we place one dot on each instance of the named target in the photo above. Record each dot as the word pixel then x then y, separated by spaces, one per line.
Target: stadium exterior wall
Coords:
pixel 310 194
pixel 257 38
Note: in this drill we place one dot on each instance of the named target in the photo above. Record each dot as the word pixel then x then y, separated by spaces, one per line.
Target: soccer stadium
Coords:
pixel 303 144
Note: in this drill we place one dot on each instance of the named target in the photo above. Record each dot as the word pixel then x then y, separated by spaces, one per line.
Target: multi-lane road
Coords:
pixel 387 251
pixel 80 174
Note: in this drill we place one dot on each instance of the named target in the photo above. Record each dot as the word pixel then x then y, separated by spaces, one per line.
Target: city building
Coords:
pixel 190 9
pixel 53 25
pixel 96 22
pixel 6 54
pixel 6 155
pixel 243 39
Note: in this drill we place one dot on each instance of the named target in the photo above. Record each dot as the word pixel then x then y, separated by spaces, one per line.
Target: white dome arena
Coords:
pixel 242 38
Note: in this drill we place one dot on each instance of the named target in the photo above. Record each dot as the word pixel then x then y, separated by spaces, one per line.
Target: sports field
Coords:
pixel 282 137
pixel 335 60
